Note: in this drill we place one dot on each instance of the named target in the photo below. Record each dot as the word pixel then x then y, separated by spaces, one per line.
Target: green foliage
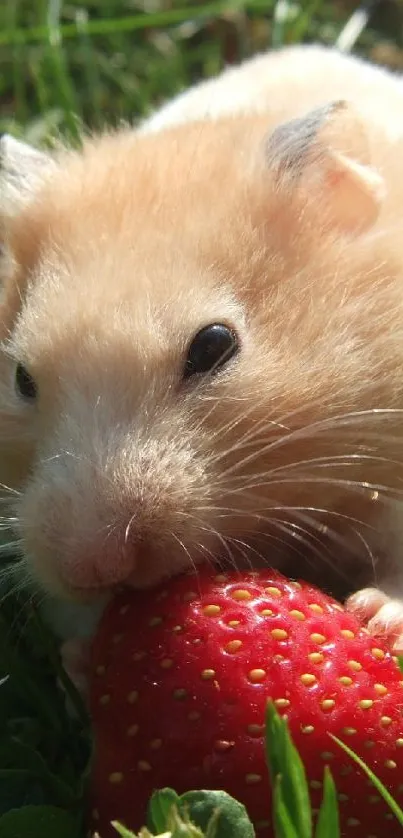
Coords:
pixel 327 825
pixel 37 822
pixel 65 64
pixel 292 810
pixel 214 814
pixel 394 807
pixel 44 751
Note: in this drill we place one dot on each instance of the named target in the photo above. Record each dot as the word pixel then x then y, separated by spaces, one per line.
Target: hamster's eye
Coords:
pixel 210 349
pixel 24 383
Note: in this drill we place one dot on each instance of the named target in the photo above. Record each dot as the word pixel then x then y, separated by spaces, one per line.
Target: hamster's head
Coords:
pixel 190 331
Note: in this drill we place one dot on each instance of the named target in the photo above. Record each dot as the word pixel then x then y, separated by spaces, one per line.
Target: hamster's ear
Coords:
pixel 22 170
pixel 325 154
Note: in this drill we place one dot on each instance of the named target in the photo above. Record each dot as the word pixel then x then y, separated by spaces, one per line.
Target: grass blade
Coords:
pixel 283 825
pixel 130 23
pixel 394 807
pixel 284 760
pixel 327 825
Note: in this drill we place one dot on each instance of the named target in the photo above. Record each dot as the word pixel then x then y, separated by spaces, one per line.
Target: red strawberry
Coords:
pixel 180 680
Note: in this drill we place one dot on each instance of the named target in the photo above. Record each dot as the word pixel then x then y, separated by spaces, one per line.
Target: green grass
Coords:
pixel 65 66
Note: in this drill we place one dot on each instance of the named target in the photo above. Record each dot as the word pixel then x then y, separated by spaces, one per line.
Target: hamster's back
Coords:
pixel 287 83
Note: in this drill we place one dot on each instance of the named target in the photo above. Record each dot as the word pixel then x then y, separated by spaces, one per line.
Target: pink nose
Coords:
pixel 111 566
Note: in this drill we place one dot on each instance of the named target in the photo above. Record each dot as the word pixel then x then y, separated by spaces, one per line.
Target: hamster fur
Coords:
pixel 256 200
pixel 277 80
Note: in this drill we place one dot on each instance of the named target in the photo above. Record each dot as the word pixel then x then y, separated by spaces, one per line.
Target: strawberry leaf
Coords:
pixel 327 825
pixel 292 795
pixel 230 817
pixel 400 662
pixel 127 833
pixel 182 827
pixel 122 830
pixel 159 809
pixel 394 807
pixel 38 821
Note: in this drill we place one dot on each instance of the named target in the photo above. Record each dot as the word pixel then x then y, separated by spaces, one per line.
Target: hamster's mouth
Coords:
pixel 334 573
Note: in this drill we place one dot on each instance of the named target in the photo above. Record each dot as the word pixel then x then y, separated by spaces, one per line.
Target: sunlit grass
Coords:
pixel 68 64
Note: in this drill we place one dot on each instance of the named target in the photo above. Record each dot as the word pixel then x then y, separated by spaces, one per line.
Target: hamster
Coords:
pixel 276 81
pixel 202 340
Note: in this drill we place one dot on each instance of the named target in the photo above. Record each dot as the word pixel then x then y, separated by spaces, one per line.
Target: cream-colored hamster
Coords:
pixel 202 327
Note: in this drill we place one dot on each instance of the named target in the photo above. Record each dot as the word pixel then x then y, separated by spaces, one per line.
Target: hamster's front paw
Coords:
pixel 75 655
pixel 382 614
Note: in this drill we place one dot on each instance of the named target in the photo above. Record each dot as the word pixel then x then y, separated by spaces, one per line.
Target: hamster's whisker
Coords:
pixel 310 430
pixel 300 511
pixel 306 513
pixel 10 546
pixel 205 417
pixel 263 425
pixel 274 476
pixel 368 551
pixel 249 438
pixel 185 550
pixel 267 535
pixel 285 540
pixel 341 541
pixel 243 549
pixel 8 523
pixel 10 490
pixel 333 461
pixel 202 526
pixel 278 522
pixel 312 535
pixel 322 552
pixel 283 422
pixel 313 430
pixel 210 557
pixel 384 493
pixel 252 549
pixel 336 461
pixel 223 430
pixel 52 458
pixel 304 537
pixel 325 530
pixel 12 570
pixel 128 528
pixel 223 540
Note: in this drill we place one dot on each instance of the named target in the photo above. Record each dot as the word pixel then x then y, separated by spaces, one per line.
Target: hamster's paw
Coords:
pixel 382 615
pixel 75 655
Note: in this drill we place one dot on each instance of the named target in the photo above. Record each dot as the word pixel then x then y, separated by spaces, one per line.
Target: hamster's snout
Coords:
pixel 109 567
pixel 115 506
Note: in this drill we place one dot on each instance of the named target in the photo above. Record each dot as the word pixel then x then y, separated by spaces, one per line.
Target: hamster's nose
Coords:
pixel 106 568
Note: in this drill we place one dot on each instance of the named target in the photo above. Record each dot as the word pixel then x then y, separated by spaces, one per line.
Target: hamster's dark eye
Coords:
pixel 24 383
pixel 210 349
